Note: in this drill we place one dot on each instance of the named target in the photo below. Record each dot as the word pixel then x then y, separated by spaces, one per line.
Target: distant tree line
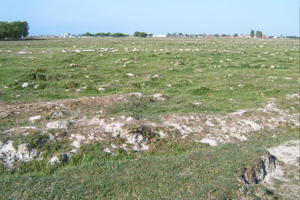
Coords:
pixel 293 37
pixel 13 30
pixel 142 34
pixel 108 34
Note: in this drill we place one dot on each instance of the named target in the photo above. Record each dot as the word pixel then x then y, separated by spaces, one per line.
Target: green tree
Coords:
pixel 3 30
pixel 236 35
pixel 118 35
pixel 259 34
pixel 13 30
pixel 140 34
pixel 252 33
pixel 88 34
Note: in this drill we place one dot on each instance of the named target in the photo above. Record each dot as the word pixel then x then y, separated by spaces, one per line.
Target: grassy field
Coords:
pixel 204 77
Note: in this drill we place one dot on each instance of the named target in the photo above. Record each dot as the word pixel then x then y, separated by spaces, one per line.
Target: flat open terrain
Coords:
pixel 129 118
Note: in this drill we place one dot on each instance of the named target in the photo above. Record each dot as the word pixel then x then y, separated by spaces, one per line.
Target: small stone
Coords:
pixel 24 85
pixel 128 119
pixel 101 89
pixel 56 114
pixel 34 118
pixel 54 160
pixel 62 158
pixel 130 75
pixel 73 151
pixel 94 121
pixel 196 103
pixel 74 65
pixel 159 97
pixel 57 125
pixel 136 94
pixel 209 141
pixel 76 144
pixel 106 150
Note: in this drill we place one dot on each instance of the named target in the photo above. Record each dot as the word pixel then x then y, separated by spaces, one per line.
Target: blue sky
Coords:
pixel 53 17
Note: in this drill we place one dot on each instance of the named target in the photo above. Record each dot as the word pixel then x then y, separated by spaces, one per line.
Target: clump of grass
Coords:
pixel 71 85
pixel 201 91
pixel 135 107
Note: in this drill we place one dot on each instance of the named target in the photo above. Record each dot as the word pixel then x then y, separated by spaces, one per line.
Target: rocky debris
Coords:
pixel 24 52
pixel 121 60
pixel 136 137
pixel 159 97
pixel 107 150
pixel 25 85
pixel 56 114
pixel 57 125
pixel 233 126
pixel 136 94
pixel 89 50
pixel 209 141
pixel 256 173
pixel 293 96
pixel 20 129
pixel 10 155
pixel 78 139
pixel 59 159
pixel 125 61
pixel 183 129
pixel 137 134
pixel 34 118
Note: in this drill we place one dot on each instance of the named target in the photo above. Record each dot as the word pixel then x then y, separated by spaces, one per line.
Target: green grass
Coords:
pixel 217 88
pixel 224 75
pixel 177 170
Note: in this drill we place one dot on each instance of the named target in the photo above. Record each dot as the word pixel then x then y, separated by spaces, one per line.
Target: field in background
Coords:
pixel 193 77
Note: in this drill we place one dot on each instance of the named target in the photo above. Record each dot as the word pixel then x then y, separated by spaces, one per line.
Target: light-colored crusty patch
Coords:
pixel 239 125
pixel 285 178
pixel 289 153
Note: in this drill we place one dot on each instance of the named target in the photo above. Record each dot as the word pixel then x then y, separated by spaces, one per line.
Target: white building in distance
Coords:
pixel 160 36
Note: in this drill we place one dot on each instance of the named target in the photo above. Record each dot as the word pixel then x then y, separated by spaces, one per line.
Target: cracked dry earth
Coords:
pixel 83 120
